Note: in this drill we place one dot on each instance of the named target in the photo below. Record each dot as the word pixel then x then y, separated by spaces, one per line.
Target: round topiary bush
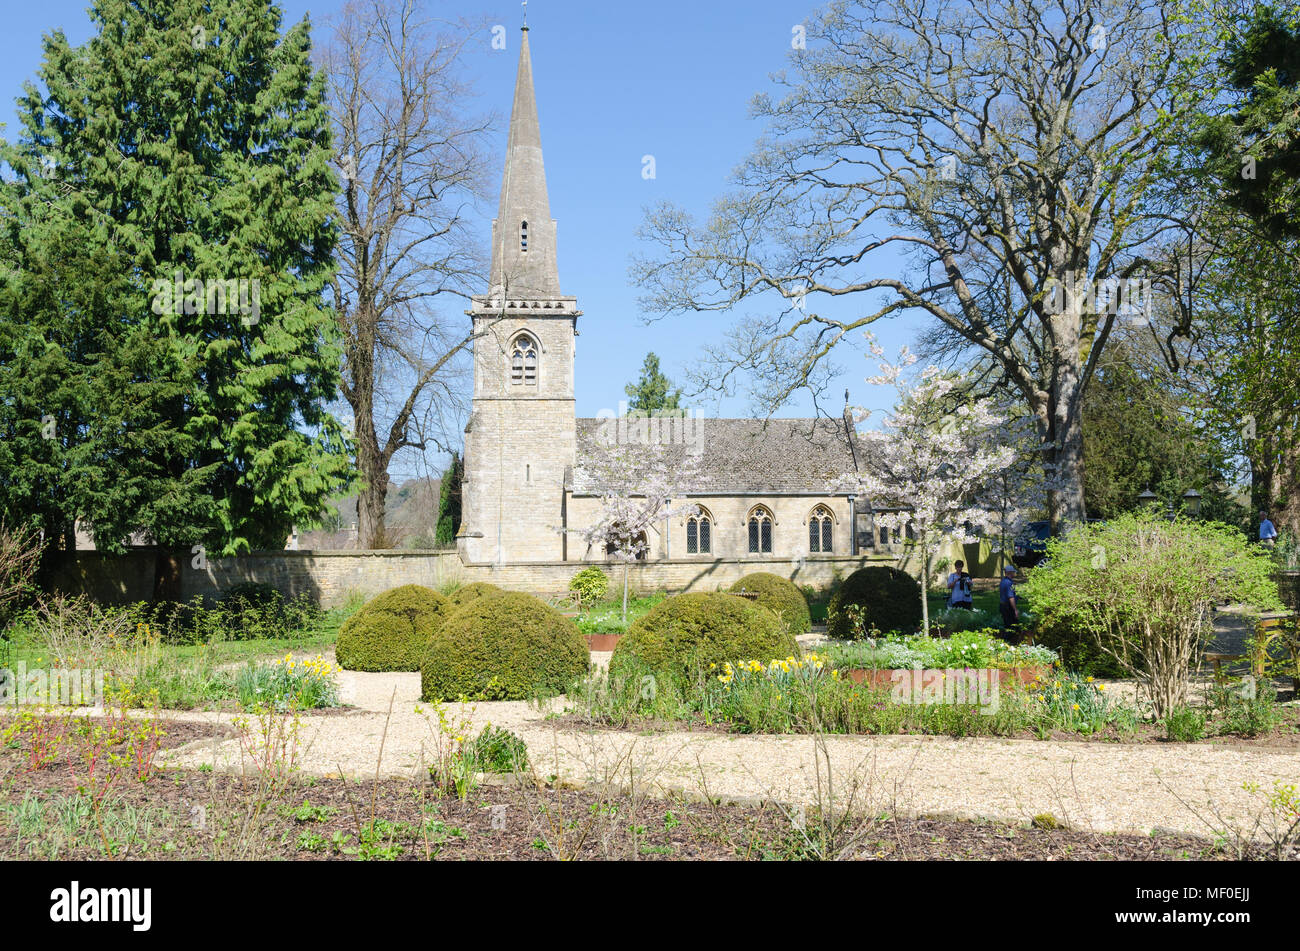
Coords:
pixel 392 631
pixel 780 596
pixel 468 593
pixel 509 647
pixel 889 600
pixel 685 634
pixel 590 585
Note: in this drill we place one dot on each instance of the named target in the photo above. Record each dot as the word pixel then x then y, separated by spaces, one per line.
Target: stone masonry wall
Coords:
pixel 330 578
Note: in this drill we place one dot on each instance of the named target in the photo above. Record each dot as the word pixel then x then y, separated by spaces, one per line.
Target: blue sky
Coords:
pixel 615 81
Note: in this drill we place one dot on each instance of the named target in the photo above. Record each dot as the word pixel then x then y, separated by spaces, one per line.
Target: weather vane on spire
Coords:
pixel 525 6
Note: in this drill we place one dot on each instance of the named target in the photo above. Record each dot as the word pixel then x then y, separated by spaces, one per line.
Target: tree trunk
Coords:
pixel 625 571
pixel 371 530
pixel 1274 469
pixel 1060 422
pixel 167 574
pixel 925 592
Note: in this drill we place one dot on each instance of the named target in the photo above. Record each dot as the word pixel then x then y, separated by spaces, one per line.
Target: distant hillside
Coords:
pixel 410 516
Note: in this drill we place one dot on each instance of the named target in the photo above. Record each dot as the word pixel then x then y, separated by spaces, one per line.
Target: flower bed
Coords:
pixel 965 649
pixel 287 684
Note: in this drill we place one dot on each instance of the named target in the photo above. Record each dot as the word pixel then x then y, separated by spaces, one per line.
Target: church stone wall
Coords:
pixel 330 578
pixel 730 528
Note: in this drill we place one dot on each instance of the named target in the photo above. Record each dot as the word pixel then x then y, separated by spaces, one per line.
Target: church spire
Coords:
pixel 523 235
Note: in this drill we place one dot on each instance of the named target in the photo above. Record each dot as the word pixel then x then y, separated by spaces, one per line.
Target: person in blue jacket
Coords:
pixel 1007 600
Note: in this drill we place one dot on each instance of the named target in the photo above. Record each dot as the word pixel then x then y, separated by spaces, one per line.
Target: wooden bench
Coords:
pixel 567 606
pixel 1218 660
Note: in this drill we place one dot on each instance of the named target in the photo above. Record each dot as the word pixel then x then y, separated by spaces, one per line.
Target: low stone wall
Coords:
pixel 673 576
pixel 331 577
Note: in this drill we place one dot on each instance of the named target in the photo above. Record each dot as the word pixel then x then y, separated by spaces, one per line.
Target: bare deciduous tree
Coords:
pixel 410 160
pixel 1003 149
pixel 20 555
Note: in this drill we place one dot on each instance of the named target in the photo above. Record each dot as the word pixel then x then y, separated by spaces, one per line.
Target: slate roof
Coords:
pixel 735 456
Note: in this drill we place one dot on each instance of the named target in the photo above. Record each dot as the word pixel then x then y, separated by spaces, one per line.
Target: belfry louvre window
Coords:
pixel 523 361
pixel 699 540
pixel 760 532
pixel 523 236
pixel 819 530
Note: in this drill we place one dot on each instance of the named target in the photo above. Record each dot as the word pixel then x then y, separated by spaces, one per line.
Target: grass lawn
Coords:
pixel 24 647
pixel 606 617
pixel 983 601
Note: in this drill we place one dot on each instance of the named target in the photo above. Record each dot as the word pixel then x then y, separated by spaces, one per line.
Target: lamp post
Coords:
pixel 1191 503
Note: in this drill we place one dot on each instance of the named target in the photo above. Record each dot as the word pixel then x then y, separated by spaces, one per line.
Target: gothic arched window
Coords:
pixel 622 544
pixel 760 531
pixel 523 360
pixel 523 236
pixel 699 533
pixel 819 530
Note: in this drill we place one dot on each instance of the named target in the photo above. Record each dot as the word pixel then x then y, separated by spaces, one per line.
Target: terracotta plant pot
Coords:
pixel 1026 675
pixel 602 642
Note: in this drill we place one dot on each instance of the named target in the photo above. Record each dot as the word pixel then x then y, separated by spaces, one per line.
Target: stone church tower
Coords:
pixel 520 440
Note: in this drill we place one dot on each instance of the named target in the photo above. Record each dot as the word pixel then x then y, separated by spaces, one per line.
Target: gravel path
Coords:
pixel 1098 786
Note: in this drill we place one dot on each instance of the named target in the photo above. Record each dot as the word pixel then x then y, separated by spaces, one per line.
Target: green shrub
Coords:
pixel 392 631
pixel 511 647
pixel 245 612
pixel 590 585
pixel 497 751
pixel 687 633
pixel 780 596
pixel 252 592
pixel 1145 586
pixel 1185 725
pixel 879 596
pixel 1079 650
pixel 1246 712
pixel 468 593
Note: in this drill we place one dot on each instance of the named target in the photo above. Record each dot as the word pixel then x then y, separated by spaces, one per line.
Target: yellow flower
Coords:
pixel 1076 706
pixel 1101 686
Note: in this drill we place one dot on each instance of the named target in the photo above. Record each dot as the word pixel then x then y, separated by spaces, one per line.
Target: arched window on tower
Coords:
pixel 523 360
pixel 523 236
pixel 760 531
pixel 820 536
pixel 699 533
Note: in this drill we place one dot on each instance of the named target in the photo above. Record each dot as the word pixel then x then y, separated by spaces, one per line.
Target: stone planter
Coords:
pixel 602 642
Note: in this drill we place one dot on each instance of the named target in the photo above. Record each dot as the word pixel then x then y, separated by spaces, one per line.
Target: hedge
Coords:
pixel 682 636
pixel 890 600
pixel 510 647
pixel 472 592
pixel 780 596
pixel 392 631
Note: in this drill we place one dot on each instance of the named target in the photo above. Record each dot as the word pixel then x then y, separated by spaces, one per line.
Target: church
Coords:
pixel 764 489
